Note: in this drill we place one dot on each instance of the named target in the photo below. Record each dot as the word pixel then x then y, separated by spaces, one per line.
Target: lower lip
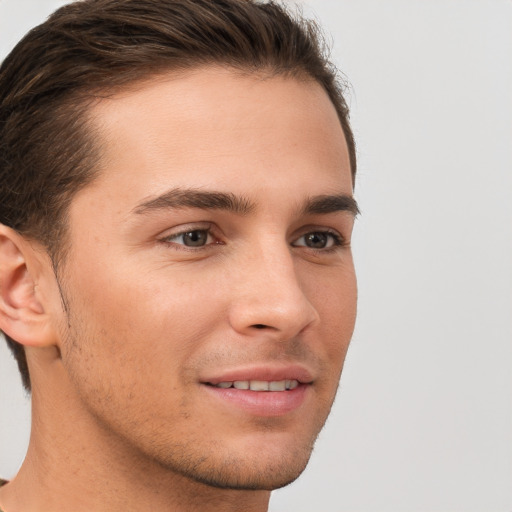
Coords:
pixel 262 403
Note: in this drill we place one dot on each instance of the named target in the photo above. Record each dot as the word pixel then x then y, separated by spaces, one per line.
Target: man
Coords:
pixel 176 276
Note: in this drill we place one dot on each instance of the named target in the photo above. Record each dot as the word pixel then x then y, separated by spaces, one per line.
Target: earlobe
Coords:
pixel 22 315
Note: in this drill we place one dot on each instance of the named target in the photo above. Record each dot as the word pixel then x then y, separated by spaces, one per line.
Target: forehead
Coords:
pixel 218 128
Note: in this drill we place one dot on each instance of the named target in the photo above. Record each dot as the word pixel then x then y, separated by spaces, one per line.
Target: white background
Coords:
pixel 423 421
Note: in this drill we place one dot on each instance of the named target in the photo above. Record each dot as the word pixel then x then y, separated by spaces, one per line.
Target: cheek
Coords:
pixel 131 339
pixel 334 296
pixel 146 319
pixel 333 292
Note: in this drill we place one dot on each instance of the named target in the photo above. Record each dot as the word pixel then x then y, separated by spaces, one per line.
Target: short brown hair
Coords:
pixel 92 47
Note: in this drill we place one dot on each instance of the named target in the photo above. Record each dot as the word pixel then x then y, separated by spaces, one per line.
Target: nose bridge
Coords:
pixel 270 295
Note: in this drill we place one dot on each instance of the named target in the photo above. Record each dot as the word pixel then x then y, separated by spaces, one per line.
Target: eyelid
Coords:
pixel 319 229
pixel 176 232
pixel 338 239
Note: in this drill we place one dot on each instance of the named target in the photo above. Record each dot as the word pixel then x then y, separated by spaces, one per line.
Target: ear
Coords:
pixel 22 314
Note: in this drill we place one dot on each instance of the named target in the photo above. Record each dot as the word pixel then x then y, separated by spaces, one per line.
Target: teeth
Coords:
pixel 277 385
pixel 291 384
pixel 260 385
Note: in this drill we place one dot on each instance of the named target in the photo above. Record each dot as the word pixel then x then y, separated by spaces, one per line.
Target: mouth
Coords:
pixel 262 392
pixel 258 385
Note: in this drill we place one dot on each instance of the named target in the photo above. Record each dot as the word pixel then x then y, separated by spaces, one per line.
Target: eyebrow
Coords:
pixel 331 204
pixel 212 200
pixel 193 198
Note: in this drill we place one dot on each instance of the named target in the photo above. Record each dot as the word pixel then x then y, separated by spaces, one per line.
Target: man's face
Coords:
pixel 213 251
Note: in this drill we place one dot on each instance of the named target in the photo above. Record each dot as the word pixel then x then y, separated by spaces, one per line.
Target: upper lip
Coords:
pixel 266 373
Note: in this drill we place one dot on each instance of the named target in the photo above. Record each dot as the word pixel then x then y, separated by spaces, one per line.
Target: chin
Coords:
pixel 250 473
pixel 250 479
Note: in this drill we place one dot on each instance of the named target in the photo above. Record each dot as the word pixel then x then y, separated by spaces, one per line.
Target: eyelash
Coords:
pixel 338 241
pixel 168 240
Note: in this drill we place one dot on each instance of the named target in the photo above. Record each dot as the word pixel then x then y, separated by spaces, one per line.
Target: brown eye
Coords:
pixel 318 240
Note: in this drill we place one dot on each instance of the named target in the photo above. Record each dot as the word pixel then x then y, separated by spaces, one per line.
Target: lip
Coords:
pixel 261 403
pixel 268 373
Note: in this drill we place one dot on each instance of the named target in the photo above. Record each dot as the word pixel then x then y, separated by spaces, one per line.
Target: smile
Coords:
pixel 259 385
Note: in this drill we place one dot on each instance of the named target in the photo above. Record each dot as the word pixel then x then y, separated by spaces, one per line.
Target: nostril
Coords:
pixel 259 326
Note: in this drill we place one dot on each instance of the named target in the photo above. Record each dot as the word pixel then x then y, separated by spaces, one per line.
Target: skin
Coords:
pixel 122 344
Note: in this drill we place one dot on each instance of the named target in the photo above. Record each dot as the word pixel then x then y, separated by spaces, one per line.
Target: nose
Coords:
pixel 269 297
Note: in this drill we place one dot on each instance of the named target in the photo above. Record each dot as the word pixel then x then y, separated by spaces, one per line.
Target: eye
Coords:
pixel 191 238
pixel 318 240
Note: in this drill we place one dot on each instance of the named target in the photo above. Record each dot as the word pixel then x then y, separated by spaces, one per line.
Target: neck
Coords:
pixel 75 464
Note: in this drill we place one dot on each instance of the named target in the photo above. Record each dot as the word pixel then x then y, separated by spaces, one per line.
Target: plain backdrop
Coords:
pixel 423 420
